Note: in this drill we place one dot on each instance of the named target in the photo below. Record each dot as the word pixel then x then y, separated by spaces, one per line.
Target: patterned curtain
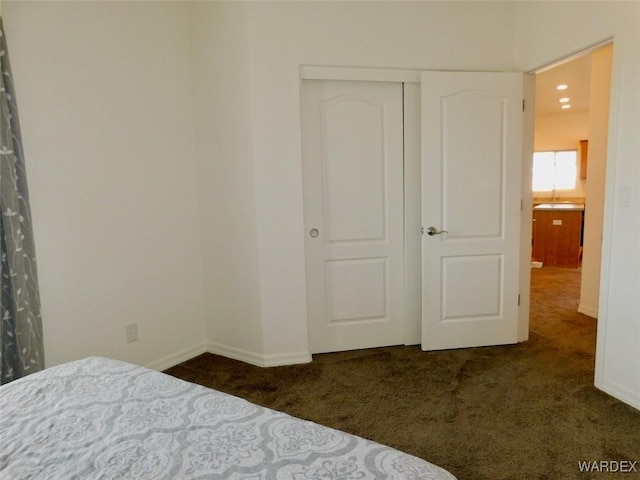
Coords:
pixel 21 345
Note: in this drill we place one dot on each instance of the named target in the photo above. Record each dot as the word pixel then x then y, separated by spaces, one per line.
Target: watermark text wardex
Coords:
pixel 610 466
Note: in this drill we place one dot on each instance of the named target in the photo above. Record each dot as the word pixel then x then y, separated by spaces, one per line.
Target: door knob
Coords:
pixel 313 233
pixel 431 231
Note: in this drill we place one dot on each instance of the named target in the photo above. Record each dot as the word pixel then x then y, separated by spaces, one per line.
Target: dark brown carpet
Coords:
pixel 527 411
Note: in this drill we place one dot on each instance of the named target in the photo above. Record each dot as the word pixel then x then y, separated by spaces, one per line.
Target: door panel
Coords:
pixel 356 289
pixel 472 126
pixel 353 169
pixel 479 273
pixel 471 192
pixel 352 142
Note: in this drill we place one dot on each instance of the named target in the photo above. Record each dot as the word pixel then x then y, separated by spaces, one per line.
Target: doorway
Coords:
pixel 581 85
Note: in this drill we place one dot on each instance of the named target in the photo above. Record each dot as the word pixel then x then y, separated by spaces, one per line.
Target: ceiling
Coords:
pixel 575 73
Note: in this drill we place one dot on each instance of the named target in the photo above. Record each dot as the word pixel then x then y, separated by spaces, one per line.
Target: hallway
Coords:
pixel 554 319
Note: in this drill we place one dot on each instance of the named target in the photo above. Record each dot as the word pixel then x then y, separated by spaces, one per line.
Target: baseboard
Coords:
pixel 287 359
pixel 588 311
pixel 621 393
pixel 178 357
pixel 246 356
pixel 259 360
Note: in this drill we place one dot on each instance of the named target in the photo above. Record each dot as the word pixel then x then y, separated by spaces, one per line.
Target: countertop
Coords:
pixel 561 207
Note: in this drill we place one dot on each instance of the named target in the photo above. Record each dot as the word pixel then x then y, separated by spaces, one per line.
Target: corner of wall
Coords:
pixel 260 360
pixel 222 112
pixel 178 357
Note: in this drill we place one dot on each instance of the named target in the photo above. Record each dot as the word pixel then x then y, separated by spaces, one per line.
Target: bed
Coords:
pixel 99 418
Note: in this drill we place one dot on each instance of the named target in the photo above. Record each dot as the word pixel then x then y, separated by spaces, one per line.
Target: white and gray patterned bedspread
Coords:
pixel 104 419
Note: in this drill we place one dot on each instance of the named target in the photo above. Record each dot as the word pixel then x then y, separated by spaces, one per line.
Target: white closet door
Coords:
pixel 353 190
pixel 471 167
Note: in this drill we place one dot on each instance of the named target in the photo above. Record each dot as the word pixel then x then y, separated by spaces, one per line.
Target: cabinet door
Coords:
pixel 584 155
pixel 557 238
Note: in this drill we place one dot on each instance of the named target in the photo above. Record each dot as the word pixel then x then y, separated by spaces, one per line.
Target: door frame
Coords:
pixel 412 193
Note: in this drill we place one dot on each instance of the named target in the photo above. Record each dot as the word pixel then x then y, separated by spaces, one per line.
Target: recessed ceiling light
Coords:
pixel 564 99
pixel 565 106
pixel 562 86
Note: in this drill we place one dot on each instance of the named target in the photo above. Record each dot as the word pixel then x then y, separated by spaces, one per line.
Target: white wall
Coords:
pixel 561 131
pixel 223 119
pixel 544 37
pixel 596 175
pixel 106 113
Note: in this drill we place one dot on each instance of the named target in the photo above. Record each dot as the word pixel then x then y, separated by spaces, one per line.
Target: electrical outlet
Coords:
pixel 131 332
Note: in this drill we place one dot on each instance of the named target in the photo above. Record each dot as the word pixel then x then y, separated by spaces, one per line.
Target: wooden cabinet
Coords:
pixel 557 234
pixel 583 155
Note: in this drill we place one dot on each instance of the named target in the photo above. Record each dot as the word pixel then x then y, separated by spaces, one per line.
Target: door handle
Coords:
pixel 313 233
pixel 431 231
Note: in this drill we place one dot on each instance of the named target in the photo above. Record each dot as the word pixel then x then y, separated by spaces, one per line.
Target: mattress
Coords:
pixel 99 418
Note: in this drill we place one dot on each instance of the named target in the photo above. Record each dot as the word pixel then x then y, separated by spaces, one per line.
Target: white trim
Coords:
pixel 236 353
pixel 313 72
pixel 573 55
pixel 287 359
pixel 178 357
pixel 259 360
pixel 620 392
pixel 602 344
pixel 526 213
pixel 588 311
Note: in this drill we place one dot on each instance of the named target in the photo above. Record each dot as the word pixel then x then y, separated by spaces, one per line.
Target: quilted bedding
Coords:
pixel 104 419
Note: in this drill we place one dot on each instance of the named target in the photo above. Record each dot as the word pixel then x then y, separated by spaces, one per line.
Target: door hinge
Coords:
pixel 518 299
pixel 523 104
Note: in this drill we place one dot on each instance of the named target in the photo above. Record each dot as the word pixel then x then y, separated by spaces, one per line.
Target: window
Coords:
pixel 555 170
